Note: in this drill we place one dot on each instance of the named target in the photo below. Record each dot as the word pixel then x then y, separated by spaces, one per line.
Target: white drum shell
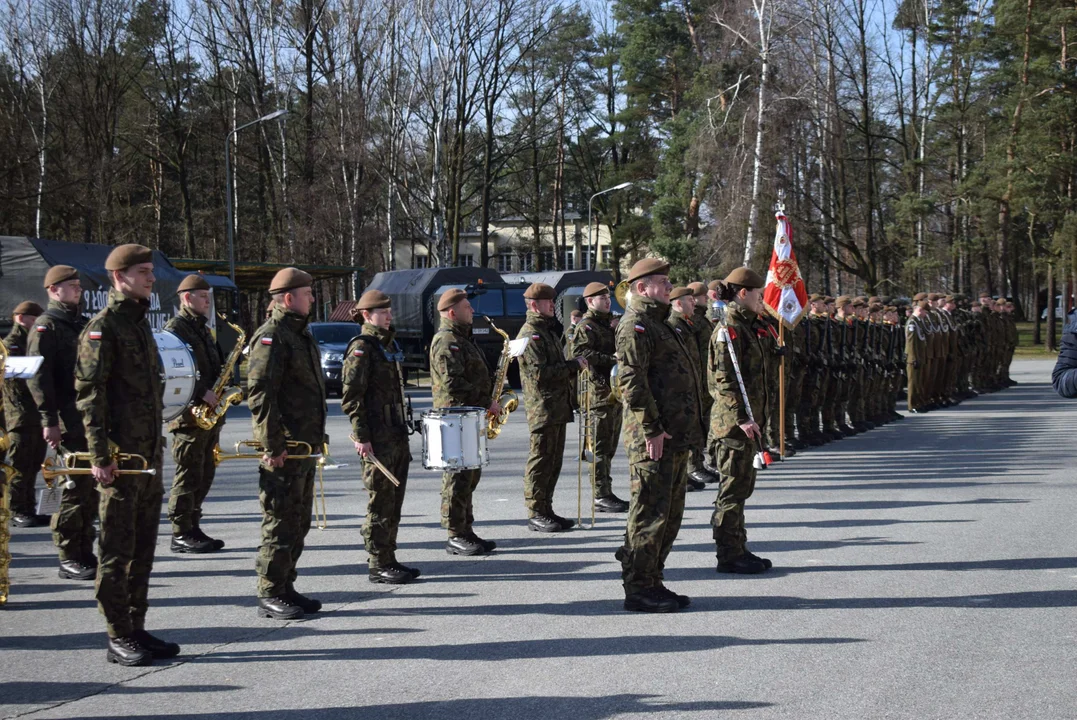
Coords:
pixel 454 439
pixel 179 373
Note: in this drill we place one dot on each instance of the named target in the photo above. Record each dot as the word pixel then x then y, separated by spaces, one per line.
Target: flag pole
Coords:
pixel 781 391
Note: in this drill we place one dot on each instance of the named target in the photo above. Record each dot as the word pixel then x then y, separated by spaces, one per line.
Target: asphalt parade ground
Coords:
pixel 926 569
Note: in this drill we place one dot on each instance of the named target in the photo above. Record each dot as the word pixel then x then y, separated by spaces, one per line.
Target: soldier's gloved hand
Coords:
pixel 105 475
pixel 52 436
pixel 656 445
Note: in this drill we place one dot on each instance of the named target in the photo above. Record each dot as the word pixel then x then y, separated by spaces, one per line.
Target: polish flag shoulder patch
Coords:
pixel 678 330
pixel 358 352
pixel 94 334
pixel 639 328
pixel 454 348
pixel 588 328
pixel 267 341
pixel 41 328
pixel 536 336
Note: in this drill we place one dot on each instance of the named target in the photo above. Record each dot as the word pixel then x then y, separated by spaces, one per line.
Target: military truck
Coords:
pixel 569 285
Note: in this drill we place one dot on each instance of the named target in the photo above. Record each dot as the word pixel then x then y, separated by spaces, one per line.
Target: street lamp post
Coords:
pixel 590 240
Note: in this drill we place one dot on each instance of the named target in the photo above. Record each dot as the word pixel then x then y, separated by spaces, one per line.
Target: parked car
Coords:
pixel 333 339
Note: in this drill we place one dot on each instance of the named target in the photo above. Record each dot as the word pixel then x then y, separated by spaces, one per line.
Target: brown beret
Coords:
pixel 714 285
pixel 843 300
pixel 923 304
pixel 60 273
pixel 933 296
pixel 950 299
pixel 193 282
pixel 874 300
pixel 890 309
pixel 828 299
pixel 449 298
pixel 679 292
pixel 859 302
pixel 919 296
pixel 289 279
pixel 576 315
pixel 875 307
pixel 745 277
pixel 595 289
pixel 28 307
pixel 647 267
pixel 698 289
pixel 975 303
pixel 373 300
pixel 540 291
pixel 124 256
pixel 816 297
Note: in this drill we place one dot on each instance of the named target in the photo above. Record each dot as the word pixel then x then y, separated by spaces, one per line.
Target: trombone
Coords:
pixel 586 432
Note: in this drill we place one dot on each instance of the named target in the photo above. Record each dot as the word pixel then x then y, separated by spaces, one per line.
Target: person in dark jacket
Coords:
pixel 1064 376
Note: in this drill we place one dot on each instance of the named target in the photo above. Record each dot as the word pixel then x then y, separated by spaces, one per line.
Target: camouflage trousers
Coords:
pixel 793 390
pixel 287 497
pixel 543 469
pixel 607 435
pixel 130 511
pixel 385 501
pixel 72 525
pixel 854 401
pixel 655 511
pixel 457 509
pixel 25 453
pixel 192 449
pixel 738 482
pixel 915 395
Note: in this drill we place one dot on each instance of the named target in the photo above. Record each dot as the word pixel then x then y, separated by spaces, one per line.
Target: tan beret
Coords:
pixel 714 285
pixel 923 304
pixel 828 299
pixel 698 289
pixel 816 297
pixel 679 292
pixel 647 267
pixel 595 289
pixel 875 307
pixel 28 307
pixel 373 300
pixel 449 298
pixel 60 273
pixel 890 309
pixel 540 291
pixel 745 277
pixel 919 296
pixel 124 256
pixel 193 282
pixel 950 299
pixel 289 279
pixel 874 300
pixel 933 296
pixel 842 300
pixel 859 302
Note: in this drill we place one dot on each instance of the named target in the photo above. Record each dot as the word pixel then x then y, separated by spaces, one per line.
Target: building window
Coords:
pixel 527 263
pixel 420 262
pixel 465 261
pixel 504 262
pixel 547 259
pixel 607 256
pixel 569 260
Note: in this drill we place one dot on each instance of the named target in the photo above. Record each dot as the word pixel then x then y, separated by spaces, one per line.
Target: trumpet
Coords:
pixel 586 432
pixel 64 465
pixel 302 450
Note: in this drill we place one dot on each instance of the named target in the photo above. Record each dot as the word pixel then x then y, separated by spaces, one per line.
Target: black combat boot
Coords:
pixel 189 543
pixel 565 523
pixel 464 545
pixel 744 565
pixel 683 601
pixel 75 570
pixel 390 575
pixel 128 652
pixel 29 520
pixel 310 605
pixel 544 524
pixel 279 608
pixel 696 481
pixel 651 600
pixel 217 544
pixel 413 571
pixel 160 649
pixel 610 504
pixel 767 564
pixel 490 545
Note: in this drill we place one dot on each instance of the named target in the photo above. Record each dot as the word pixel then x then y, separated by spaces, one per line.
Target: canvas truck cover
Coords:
pixel 411 290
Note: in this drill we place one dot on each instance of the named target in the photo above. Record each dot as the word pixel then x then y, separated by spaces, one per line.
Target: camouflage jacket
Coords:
pixel 594 341
pixel 685 327
pixel 286 387
pixel 704 327
pixel 118 381
pixel 55 338
pixel 20 410
pixel 458 370
pixel 193 329
pixel 915 341
pixel 817 347
pixel 373 397
pixel 547 376
pixel 749 338
pixel 660 388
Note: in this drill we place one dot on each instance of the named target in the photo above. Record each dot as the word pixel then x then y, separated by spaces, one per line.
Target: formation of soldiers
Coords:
pixel 687 379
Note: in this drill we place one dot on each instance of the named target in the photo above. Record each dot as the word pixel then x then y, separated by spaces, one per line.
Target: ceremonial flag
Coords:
pixel 784 294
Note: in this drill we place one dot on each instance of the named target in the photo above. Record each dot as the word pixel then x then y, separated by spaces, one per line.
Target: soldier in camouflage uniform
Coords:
pixel 817 370
pixel 56 340
pixel 704 326
pixel 120 395
pixel 663 407
pixel 844 332
pixel 916 340
pixel 749 338
pixel 192 447
pixel 460 378
pixel 682 320
pixel 373 399
pixel 594 341
pixel 547 379
pixel 772 428
pixel 286 396
pixel 27 446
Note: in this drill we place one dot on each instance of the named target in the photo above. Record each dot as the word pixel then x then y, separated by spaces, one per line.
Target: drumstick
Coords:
pixel 377 463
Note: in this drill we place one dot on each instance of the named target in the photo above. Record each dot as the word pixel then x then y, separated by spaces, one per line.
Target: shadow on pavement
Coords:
pixel 40 693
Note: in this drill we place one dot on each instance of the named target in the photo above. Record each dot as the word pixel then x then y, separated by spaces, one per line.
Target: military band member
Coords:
pixel 663 421
pixel 373 399
pixel 192 447
pixel 594 341
pixel 816 371
pixel 749 338
pixel 682 320
pixel 23 423
pixel 915 349
pixel 120 395
pixel 704 327
pixel 845 331
pixel 286 396
pixel 56 339
pixel 460 377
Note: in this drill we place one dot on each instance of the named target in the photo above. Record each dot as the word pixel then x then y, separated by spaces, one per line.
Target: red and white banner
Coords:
pixel 784 294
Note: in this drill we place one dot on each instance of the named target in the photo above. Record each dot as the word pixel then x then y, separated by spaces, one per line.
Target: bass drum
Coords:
pixel 178 373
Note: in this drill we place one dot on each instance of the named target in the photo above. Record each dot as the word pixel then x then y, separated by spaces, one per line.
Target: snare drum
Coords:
pixel 454 439
pixel 178 373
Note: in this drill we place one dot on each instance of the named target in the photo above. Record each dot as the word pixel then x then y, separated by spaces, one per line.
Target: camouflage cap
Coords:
pixel 60 273
pixel 289 279
pixel 745 277
pixel 595 289
pixel 192 282
pixel 28 307
pixel 373 300
pixel 540 291
pixel 647 267
pixel 698 289
pixel 449 298
pixel 679 292
pixel 124 256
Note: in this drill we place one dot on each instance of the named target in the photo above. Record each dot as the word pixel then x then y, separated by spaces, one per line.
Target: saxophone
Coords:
pixel 204 415
pixel 507 400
